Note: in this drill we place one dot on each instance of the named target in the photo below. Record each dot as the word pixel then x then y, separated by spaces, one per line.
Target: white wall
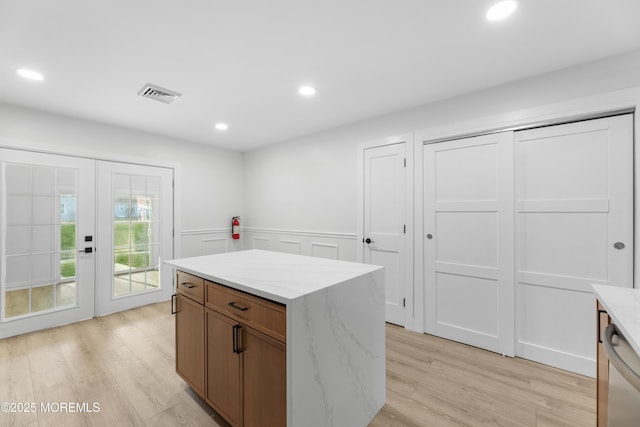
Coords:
pixel 208 180
pixel 310 184
pixel 299 196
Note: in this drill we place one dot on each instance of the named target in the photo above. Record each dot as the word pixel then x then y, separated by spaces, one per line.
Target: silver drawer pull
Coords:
pixel 188 285
pixel 237 307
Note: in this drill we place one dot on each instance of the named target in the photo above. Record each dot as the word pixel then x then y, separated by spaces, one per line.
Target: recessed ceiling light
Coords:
pixel 501 10
pixel 29 74
pixel 222 126
pixel 307 90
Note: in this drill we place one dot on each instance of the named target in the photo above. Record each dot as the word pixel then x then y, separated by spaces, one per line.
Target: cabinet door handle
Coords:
pixel 235 336
pixel 237 307
pixel 188 285
pixel 234 339
pixel 173 308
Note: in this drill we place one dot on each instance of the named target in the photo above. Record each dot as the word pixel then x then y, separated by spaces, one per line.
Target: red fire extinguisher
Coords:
pixel 235 227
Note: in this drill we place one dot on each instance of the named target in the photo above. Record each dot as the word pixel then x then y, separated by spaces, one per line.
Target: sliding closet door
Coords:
pixel 468 241
pixel 574 204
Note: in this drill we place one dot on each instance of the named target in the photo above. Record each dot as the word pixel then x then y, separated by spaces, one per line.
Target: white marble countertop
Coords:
pixel 276 276
pixel 623 305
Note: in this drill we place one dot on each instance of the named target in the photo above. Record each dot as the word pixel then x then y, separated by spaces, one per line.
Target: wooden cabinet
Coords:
pixel 190 342
pixel 264 386
pixel 260 314
pixel 190 286
pixel 230 348
pixel 224 393
pixel 602 391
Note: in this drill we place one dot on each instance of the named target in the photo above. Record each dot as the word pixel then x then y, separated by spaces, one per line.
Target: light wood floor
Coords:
pixel 436 382
pixel 125 363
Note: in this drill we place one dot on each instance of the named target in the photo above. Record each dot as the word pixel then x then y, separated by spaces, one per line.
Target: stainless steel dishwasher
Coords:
pixel 624 380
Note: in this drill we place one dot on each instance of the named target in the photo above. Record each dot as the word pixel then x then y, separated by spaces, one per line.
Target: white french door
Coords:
pixel 386 241
pixel 47 212
pixel 468 241
pixel 135 234
pixel 574 207
pixel 61 259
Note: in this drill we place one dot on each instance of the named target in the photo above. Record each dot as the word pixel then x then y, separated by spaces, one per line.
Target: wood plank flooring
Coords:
pixel 436 382
pixel 125 364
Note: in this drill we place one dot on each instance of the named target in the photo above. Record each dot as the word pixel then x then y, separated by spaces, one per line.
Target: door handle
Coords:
pixel 618 245
pixel 86 250
pixel 368 240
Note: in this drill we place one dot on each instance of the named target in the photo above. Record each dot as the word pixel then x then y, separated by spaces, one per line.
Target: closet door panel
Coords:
pixel 574 216
pixel 468 241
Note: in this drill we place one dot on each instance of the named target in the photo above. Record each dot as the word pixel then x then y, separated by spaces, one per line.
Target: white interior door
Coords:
pixel 135 235
pixel 385 228
pixel 574 192
pixel 47 210
pixel 468 241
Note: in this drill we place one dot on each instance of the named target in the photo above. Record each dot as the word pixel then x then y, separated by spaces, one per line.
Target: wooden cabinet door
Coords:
pixel 224 392
pixel 190 342
pixel 264 377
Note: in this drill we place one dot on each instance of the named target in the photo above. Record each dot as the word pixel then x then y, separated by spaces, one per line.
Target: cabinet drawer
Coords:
pixel 190 286
pixel 263 315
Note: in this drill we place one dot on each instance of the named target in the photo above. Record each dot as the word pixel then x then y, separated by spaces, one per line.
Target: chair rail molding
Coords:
pixel 329 234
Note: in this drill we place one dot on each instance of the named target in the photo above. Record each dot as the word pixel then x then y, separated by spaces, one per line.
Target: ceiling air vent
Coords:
pixel 159 94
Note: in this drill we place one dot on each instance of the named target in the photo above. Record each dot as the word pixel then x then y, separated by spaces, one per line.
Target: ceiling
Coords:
pixel 241 62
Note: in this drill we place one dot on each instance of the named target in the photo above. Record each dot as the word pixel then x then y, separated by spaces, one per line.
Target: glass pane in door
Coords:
pixel 136 234
pixel 40 239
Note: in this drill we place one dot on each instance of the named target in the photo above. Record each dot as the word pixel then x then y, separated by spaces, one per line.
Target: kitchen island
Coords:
pixel 325 317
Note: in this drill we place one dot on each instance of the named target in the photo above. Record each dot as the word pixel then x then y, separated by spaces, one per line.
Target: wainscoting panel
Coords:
pixel 260 243
pixel 216 245
pixel 325 250
pixel 341 246
pixel 207 242
pixel 291 246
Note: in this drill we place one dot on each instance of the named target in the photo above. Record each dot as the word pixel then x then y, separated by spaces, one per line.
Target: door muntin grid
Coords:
pixel 136 234
pixel 40 223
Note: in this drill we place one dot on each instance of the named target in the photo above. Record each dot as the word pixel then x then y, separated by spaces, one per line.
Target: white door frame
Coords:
pixel 409 286
pixel 511 120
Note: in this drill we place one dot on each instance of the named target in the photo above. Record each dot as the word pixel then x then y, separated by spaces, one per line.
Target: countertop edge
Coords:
pixel 179 264
pixel 603 294
pixel 221 281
